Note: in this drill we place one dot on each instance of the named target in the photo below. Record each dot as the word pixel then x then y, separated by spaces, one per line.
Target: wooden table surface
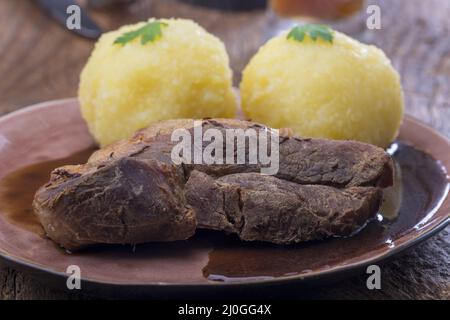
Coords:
pixel 39 61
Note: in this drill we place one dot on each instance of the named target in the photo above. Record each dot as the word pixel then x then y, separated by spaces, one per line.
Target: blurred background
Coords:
pixel 41 60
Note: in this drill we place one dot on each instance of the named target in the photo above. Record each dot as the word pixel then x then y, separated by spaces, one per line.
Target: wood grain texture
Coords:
pixel 41 61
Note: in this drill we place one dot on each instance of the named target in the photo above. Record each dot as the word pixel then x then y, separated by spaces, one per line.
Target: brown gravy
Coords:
pixel 423 185
pixel 17 189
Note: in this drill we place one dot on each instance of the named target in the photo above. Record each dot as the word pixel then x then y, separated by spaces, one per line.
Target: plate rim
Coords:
pixel 426 232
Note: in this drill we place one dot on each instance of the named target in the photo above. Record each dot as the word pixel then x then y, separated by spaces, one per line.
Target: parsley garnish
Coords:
pixel 149 32
pixel 314 31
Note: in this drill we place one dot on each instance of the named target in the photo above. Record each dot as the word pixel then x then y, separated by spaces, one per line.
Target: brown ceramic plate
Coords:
pixel 54 130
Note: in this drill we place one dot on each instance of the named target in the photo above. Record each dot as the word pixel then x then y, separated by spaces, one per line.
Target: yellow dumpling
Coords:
pixel 339 90
pixel 183 73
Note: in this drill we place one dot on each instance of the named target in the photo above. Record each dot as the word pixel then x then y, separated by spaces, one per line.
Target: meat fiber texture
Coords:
pixel 132 192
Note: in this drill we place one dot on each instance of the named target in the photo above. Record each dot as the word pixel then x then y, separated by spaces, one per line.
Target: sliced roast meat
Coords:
pixel 132 191
pixel 126 201
pixel 305 161
pixel 266 208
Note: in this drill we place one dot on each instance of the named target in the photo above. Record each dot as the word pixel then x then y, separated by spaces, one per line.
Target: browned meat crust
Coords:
pixel 258 207
pixel 131 191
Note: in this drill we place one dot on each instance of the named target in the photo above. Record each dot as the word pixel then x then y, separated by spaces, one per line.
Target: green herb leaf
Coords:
pixel 314 31
pixel 148 33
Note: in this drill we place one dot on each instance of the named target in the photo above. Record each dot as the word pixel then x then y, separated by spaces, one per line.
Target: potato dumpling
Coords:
pixel 338 90
pixel 182 73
